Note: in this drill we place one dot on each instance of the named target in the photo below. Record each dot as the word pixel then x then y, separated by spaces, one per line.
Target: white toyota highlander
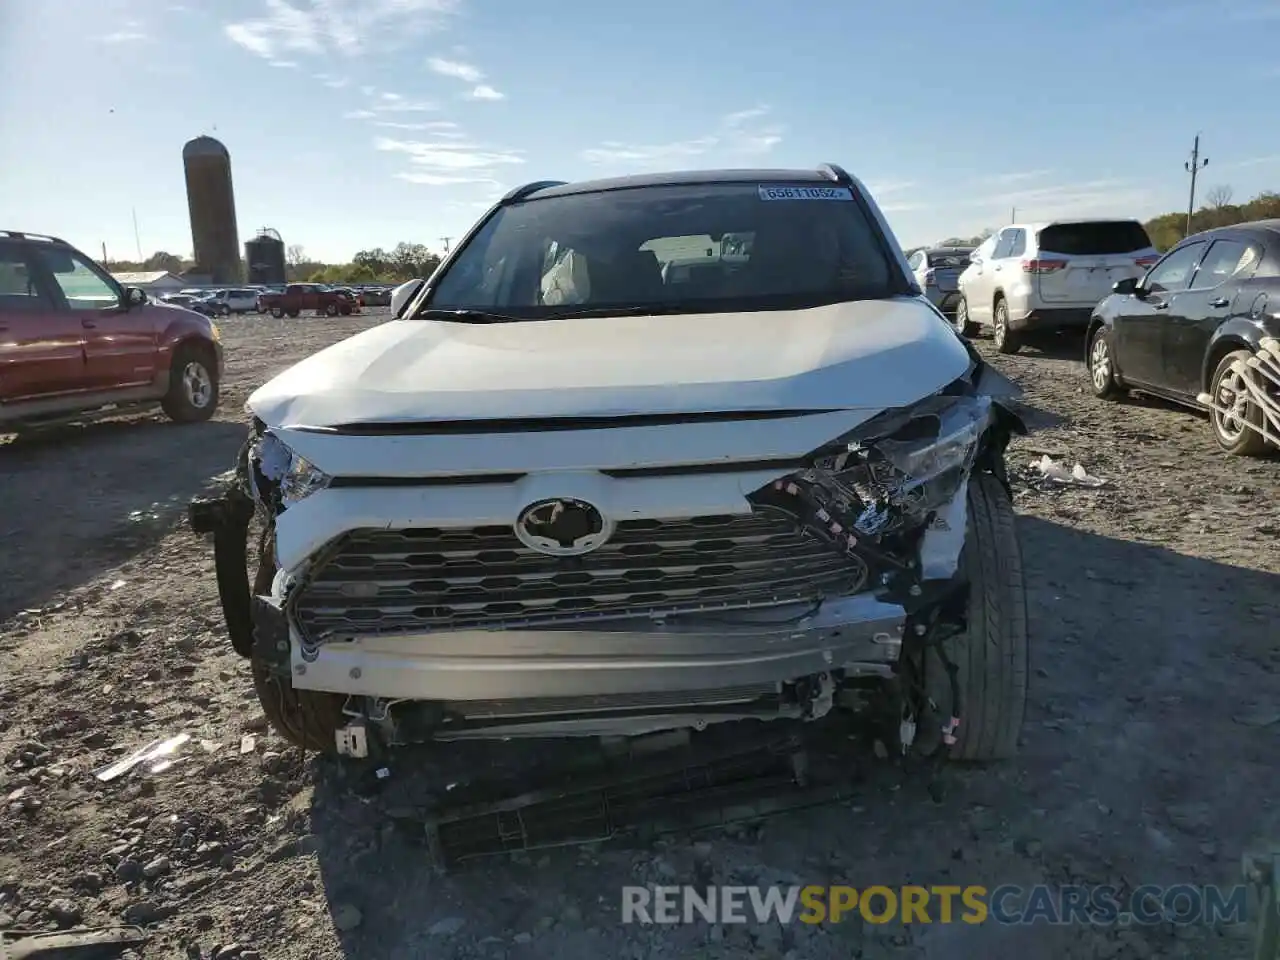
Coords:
pixel 643 454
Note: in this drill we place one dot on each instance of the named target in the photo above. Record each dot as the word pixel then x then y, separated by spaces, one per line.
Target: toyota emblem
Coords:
pixel 563 527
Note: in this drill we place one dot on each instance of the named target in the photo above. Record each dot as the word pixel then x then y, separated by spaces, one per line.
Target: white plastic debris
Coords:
pixel 159 755
pixel 1055 472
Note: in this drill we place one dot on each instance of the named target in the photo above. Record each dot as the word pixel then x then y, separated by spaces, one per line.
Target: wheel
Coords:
pixel 346 310
pixel 258 308
pixel 961 320
pixel 1234 432
pixel 309 719
pixel 991 655
pixel 330 309
pixel 277 312
pixel 293 314
pixel 1102 367
pixel 224 311
pixel 193 384
pixel 1006 340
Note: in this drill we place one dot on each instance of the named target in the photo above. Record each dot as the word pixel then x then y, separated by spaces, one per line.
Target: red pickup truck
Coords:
pixel 307 296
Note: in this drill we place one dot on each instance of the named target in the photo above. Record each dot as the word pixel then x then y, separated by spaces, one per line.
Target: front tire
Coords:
pixel 309 719
pixel 1006 341
pixel 1102 367
pixel 964 326
pixel 277 312
pixel 331 310
pixel 991 656
pixel 1236 434
pixel 193 385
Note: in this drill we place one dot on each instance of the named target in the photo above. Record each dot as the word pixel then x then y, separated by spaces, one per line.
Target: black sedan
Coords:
pixel 1178 332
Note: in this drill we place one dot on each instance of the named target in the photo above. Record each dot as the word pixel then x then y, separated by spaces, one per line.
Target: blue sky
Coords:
pixel 360 123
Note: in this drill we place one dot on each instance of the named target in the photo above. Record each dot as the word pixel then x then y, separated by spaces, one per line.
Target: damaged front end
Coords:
pixel 840 586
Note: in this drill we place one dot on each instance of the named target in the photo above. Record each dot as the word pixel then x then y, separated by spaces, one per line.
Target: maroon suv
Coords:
pixel 73 341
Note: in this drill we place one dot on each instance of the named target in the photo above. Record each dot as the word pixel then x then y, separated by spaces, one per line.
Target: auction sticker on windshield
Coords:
pixel 768 192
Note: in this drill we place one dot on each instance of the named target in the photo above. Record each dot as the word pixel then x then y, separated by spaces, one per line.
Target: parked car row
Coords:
pixel 1188 325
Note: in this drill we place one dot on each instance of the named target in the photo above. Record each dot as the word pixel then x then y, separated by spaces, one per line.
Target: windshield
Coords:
pixel 688 248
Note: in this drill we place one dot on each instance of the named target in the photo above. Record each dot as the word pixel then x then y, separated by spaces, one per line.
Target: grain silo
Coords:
pixel 264 256
pixel 212 203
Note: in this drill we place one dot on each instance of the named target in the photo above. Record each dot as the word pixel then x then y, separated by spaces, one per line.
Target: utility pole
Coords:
pixel 1193 167
pixel 137 238
pixel 1013 215
pixel 445 241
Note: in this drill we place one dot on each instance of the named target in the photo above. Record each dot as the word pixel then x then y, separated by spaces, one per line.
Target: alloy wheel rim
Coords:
pixel 1231 394
pixel 1101 363
pixel 198 384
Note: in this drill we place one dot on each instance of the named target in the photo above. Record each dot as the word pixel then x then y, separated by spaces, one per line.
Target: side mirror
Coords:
pixel 402 295
pixel 1125 287
pixel 134 297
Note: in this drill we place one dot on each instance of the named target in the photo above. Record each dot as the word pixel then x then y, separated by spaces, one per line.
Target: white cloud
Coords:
pixel 283 64
pixel 131 32
pixel 330 81
pixel 1017 177
pixel 359 115
pixel 485 92
pixel 1108 197
pixel 889 186
pixel 445 163
pixel 456 69
pixel 440 180
pixel 328 27
pixel 740 134
pixel 442 129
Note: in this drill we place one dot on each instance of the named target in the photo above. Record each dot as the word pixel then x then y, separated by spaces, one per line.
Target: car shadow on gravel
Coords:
pixel 79 500
pixel 1152 686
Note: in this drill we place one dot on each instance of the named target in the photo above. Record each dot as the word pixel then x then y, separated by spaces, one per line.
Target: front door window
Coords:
pixel 83 287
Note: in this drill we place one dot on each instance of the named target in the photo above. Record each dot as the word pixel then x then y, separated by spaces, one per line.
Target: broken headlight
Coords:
pixel 889 473
pixel 279 477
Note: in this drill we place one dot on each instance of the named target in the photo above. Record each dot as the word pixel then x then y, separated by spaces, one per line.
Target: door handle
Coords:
pixel 1160 305
pixel 1219 303
pixel 88 325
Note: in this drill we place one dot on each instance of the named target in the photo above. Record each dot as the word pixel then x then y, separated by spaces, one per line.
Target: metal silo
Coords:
pixel 264 255
pixel 212 203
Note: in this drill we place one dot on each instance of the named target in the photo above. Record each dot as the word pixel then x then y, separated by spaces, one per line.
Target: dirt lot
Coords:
pixel 1149 751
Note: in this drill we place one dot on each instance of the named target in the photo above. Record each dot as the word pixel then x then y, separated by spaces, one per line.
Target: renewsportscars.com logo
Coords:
pixel 1096 905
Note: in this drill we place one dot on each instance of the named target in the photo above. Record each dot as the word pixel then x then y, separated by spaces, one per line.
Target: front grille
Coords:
pixel 423 580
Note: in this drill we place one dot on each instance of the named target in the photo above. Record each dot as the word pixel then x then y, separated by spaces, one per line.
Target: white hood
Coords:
pixel 871 354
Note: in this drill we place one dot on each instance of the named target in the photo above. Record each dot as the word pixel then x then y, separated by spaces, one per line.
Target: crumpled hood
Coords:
pixel 866 354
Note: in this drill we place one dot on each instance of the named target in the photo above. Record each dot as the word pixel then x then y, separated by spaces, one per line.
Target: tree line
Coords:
pixel 404 261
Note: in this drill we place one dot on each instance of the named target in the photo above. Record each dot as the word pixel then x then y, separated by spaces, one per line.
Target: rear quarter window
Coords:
pixel 1094 239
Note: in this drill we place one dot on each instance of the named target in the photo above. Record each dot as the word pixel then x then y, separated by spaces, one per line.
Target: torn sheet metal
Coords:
pixel 89 944
pixel 942 543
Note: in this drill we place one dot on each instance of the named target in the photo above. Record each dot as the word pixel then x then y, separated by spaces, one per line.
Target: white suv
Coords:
pixel 562 494
pixel 1048 276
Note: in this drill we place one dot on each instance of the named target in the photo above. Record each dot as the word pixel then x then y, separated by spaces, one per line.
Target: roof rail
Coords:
pixel 835 172
pixel 24 235
pixel 519 193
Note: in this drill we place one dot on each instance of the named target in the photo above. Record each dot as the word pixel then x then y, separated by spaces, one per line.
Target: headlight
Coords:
pixel 279 477
pixel 891 471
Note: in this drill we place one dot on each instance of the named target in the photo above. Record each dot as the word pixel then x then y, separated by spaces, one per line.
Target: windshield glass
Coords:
pixel 686 248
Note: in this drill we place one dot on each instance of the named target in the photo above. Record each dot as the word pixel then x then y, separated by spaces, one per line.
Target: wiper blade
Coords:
pixel 641 310
pixel 469 316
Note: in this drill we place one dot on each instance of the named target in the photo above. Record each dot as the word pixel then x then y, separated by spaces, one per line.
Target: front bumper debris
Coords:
pixel 686 787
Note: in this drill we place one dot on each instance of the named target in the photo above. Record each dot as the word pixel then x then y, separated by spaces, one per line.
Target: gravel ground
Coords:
pixel 1152 704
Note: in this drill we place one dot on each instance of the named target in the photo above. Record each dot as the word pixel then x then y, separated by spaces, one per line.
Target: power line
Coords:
pixel 1193 167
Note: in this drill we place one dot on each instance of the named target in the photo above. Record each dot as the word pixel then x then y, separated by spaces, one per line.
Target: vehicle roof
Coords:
pixel 1036 225
pixel 1264 226
pixel 683 177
